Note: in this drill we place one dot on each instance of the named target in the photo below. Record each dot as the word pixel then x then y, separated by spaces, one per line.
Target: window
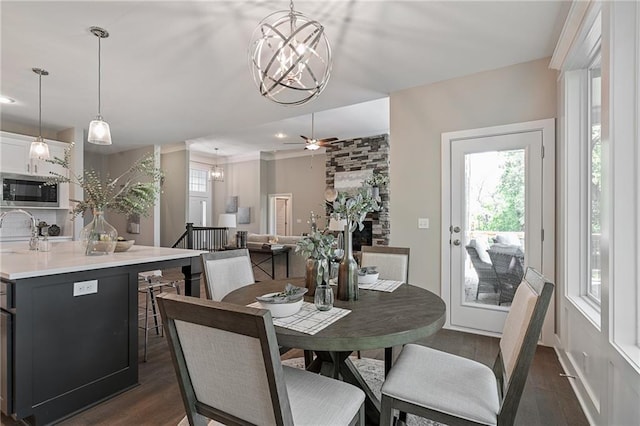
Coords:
pixel 583 170
pixel 198 180
pixel 594 185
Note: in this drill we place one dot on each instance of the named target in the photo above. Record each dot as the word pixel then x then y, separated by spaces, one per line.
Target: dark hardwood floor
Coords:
pixel 547 400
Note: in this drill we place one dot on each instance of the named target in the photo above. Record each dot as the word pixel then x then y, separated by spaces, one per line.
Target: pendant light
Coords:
pixel 99 132
pixel 217 172
pixel 290 57
pixel 39 148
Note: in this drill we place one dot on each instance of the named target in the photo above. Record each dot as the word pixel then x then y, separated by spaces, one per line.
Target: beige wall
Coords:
pixel 174 196
pixel 304 177
pixel 241 179
pixel 117 164
pixel 419 116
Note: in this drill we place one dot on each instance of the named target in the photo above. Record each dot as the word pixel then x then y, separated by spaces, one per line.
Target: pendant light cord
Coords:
pixel 99 76
pixel 40 105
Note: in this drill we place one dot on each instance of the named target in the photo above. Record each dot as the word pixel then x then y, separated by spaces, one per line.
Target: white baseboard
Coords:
pixel 578 387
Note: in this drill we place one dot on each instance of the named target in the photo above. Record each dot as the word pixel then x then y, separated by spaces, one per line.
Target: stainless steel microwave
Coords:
pixel 28 191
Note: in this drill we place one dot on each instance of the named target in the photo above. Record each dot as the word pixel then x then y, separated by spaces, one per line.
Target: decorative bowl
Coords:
pixel 368 275
pixel 281 308
pixel 124 245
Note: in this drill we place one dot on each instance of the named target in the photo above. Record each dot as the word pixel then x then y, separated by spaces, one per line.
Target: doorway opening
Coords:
pixel 280 214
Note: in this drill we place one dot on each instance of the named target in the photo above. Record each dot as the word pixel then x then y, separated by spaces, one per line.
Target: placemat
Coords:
pixel 308 320
pixel 382 285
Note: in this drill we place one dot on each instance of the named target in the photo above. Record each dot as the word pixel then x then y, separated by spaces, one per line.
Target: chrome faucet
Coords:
pixel 33 241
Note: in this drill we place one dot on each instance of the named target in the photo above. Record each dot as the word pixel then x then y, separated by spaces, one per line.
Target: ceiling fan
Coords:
pixel 311 143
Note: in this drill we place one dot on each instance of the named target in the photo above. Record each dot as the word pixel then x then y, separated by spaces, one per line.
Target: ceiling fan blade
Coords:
pixel 305 138
pixel 328 140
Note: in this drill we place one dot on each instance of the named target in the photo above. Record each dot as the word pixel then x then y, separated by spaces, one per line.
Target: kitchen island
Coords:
pixel 69 324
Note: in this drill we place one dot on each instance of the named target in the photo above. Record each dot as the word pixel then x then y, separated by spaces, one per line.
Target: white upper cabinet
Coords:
pixel 14 155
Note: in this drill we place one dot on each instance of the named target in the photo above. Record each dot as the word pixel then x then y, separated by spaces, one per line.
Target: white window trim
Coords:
pixel 622 128
pixel 577 153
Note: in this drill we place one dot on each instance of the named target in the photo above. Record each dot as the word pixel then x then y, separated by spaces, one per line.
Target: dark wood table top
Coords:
pixel 377 319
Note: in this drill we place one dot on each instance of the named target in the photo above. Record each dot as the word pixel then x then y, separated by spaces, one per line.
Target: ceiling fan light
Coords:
pixel 99 132
pixel 39 149
pixel 312 146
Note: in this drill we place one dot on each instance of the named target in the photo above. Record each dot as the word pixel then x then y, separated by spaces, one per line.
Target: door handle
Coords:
pixel 456 242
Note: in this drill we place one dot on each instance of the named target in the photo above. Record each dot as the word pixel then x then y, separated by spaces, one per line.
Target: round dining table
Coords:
pixel 376 320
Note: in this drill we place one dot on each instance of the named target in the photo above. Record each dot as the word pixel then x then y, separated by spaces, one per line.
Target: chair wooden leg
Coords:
pixel 386 411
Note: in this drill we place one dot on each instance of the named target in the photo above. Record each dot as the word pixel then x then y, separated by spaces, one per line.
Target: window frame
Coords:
pixel 576 93
pixel 586 288
pixel 205 173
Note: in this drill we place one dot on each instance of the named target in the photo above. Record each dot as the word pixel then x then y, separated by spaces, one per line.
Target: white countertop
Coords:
pixel 17 261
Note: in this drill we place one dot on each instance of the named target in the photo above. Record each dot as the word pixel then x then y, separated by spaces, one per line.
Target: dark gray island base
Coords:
pixel 63 353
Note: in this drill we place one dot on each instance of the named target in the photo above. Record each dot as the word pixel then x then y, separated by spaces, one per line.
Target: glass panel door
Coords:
pixel 496 222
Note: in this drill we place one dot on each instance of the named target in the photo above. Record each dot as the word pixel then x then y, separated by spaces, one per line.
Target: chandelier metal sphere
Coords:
pixel 290 57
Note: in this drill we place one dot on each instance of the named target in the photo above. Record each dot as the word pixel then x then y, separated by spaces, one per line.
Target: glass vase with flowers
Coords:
pixel 353 209
pixel 132 192
pixel 318 248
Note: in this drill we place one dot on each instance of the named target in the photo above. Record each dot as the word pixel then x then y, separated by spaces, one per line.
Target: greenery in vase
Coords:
pixel 320 247
pixel 133 192
pixel 377 180
pixel 316 245
pixel 354 208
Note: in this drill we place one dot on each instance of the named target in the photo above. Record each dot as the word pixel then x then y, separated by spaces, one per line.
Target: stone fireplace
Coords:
pixel 370 153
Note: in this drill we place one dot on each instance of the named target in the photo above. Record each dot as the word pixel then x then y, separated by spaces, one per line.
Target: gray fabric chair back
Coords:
pixel 519 340
pixel 225 271
pixel 227 361
pixel 392 262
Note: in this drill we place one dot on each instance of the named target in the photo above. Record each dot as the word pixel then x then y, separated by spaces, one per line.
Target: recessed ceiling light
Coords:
pixel 280 135
pixel 6 100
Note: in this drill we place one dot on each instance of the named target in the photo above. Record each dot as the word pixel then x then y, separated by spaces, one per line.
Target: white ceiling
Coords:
pixel 178 71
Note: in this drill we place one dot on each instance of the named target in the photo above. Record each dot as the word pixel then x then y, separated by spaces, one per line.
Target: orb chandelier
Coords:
pixel 290 57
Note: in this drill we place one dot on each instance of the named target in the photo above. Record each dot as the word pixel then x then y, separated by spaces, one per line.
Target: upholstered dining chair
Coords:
pixel 228 367
pixel 456 390
pixel 225 271
pixel 392 262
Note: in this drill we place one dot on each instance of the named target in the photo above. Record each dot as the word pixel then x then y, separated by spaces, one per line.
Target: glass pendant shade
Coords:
pixel 99 132
pixel 290 57
pixel 39 149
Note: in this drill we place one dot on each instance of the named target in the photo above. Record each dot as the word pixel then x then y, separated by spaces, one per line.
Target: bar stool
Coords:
pixel 150 283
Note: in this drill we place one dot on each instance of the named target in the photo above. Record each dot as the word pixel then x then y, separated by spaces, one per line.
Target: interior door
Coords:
pixel 495 203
